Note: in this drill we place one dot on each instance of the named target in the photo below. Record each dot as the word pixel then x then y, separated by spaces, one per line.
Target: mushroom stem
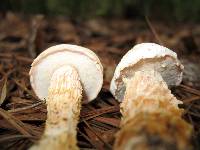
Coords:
pixel 151 117
pixel 63 110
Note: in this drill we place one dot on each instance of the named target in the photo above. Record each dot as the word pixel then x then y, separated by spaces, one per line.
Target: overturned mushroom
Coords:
pixel 59 74
pixel 151 118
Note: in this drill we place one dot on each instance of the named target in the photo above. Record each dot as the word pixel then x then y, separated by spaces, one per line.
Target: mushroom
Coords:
pixel 151 118
pixel 59 74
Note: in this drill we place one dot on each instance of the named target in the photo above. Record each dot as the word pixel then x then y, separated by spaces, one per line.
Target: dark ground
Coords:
pixel 22 114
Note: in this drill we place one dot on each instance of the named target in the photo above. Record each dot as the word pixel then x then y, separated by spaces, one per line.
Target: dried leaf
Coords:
pixel 3 90
pixel 110 41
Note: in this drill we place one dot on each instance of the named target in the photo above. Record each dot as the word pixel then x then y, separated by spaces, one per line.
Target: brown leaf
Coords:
pixel 3 90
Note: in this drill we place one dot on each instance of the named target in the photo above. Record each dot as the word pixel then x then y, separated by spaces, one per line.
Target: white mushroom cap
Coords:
pixel 84 60
pixel 146 56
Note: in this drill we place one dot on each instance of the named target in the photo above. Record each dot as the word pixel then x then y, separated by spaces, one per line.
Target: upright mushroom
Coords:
pixel 151 118
pixel 59 74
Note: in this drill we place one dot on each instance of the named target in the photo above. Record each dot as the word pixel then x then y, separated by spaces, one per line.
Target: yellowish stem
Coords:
pixel 63 110
pixel 151 117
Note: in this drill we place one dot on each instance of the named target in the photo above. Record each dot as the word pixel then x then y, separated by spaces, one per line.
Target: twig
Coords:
pixel 101 111
pixel 24 88
pixel 13 121
pixel 89 127
pixel 17 57
pixel 85 136
pixel 191 90
pixel 12 137
pixel 111 121
pixel 27 107
pixel 35 24
pixel 189 100
pixel 153 30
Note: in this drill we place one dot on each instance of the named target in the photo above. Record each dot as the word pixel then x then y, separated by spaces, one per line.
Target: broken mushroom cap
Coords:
pixel 146 56
pixel 84 60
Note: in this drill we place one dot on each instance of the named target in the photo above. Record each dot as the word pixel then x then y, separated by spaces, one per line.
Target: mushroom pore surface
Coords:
pixel 85 61
pixel 146 56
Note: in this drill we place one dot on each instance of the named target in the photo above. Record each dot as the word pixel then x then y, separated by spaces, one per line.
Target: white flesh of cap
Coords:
pixel 84 60
pixel 146 56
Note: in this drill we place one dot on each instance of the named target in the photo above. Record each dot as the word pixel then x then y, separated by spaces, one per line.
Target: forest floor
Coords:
pixel 22 38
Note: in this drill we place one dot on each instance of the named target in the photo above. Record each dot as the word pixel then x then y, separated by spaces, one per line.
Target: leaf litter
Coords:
pixel 23 115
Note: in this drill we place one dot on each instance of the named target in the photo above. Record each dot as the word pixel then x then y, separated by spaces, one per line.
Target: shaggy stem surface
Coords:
pixel 151 118
pixel 63 110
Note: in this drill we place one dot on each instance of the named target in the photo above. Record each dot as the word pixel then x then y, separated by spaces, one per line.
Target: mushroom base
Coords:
pixel 154 131
pixel 63 110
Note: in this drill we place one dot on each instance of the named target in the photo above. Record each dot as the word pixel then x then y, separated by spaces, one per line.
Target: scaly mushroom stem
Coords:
pixel 63 110
pixel 151 117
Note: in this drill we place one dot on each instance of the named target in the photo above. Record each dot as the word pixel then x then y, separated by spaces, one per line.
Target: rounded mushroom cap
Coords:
pixel 146 56
pixel 84 60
